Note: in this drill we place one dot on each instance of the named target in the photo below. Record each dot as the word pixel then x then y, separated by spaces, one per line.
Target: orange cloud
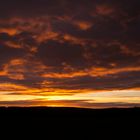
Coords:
pixel 125 49
pixel 47 36
pixel 95 71
pixel 13 44
pixel 7 71
pixel 74 40
pixel 83 25
pixel 10 31
pixel 65 75
pixel 11 87
pixel 14 69
pixel 105 71
pixel 3 73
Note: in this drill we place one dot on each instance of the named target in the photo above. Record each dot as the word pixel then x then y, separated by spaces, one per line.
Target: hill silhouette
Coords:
pixel 48 120
pixel 68 112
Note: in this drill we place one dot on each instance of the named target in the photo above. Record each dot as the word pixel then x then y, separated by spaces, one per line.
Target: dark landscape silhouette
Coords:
pixel 70 113
pixel 87 123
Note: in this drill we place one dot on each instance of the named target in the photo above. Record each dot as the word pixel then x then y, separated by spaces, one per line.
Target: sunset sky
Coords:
pixel 71 53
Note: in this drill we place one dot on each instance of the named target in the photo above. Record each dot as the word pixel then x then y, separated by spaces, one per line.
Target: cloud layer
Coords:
pixel 69 47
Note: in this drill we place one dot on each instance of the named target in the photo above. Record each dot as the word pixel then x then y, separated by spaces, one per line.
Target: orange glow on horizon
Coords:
pixel 77 100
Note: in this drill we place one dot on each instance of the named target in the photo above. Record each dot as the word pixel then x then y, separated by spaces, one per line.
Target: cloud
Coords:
pixel 56 54
pixel 69 46
pixel 7 53
pixel 65 103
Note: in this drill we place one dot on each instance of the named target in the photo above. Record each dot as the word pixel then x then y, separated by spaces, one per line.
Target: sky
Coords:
pixel 70 53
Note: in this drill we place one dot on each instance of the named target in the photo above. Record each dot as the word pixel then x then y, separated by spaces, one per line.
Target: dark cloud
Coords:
pixel 107 52
pixel 57 54
pixel 8 53
pixel 104 29
pixel 42 7
pixel 32 8
pixel 70 45
pixel 66 103
pixel 133 29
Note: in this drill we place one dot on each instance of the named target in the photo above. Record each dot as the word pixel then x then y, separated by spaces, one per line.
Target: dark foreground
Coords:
pixel 46 114
pixel 75 119
pixel 55 113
